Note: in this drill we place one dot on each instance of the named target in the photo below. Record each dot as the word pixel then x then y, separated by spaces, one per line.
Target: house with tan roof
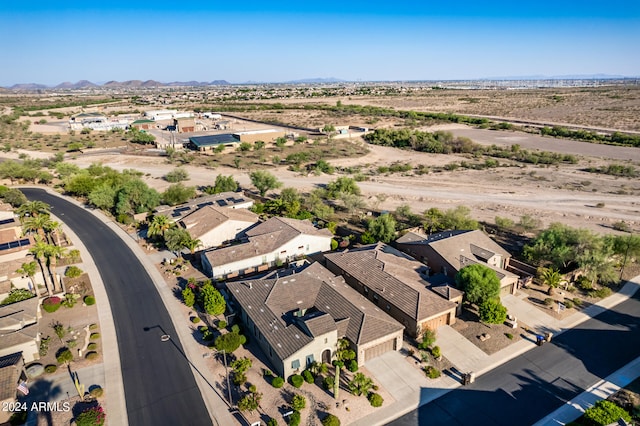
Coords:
pixel 298 318
pixel 19 330
pixel 11 374
pixel 274 242
pixel 232 200
pixel 449 251
pixel 214 225
pixel 397 284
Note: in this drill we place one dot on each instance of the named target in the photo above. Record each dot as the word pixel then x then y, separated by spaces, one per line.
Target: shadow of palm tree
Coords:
pixel 41 391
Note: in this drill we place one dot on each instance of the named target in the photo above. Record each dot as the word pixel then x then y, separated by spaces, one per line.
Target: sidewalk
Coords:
pixel 411 389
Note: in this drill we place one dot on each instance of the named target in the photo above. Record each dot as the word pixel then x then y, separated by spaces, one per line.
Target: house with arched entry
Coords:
pixel 298 316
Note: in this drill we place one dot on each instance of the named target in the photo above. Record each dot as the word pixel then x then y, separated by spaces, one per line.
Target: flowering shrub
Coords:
pixel 94 416
pixel 51 304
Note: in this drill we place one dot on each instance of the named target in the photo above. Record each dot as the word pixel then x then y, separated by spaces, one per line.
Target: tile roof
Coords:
pixel 394 276
pixel 10 370
pixel 265 238
pixel 15 315
pixel 210 217
pixel 223 199
pixel 290 310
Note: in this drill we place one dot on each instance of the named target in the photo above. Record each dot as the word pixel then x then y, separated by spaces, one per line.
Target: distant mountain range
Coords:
pixel 85 84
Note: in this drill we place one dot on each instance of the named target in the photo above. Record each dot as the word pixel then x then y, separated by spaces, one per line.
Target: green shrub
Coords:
pixel 548 301
pixel 222 324
pixel 492 311
pixel 239 378
pixel 51 304
pixel 334 244
pixel 294 418
pixel 298 402
pixel 331 420
pixel 91 355
pixel 72 272
pixel 328 382
pixel 584 283
pixel 604 413
pixel 509 336
pixel 601 292
pixel 17 295
pixel 296 380
pixel 308 377
pixel 577 302
pixel 93 416
pixel 272 422
pixel 94 336
pixel 96 392
pixel 436 352
pixel 89 300
pixel 568 303
pixel 64 355
pixel 195 320
pixel 235 328
pixel 277 382
pixel 352 365
pixel 93 327
pixel 432 372
pixel 375 399
pixel 50 368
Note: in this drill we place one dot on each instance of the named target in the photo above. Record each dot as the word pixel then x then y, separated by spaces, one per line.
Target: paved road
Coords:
pixel 159 386
pixel 529 387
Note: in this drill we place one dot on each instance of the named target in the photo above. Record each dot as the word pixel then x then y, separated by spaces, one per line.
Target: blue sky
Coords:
pixel 50 42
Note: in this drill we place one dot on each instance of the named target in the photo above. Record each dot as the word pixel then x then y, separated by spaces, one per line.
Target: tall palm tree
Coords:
pixel 29 269
pixel 54 253
pixel 40 251
pixel 159 225
pixel 38 224
pixel 33 209
pixel 53 229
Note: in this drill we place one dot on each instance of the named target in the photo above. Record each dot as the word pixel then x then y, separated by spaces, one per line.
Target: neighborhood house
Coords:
pixel 298 318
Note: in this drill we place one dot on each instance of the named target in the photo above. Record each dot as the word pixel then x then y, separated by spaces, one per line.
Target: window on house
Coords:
pixel 309 359
pixel 295 364
pixel 326 340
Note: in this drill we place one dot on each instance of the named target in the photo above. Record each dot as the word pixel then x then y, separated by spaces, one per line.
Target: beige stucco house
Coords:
pixel 298 318
pixel 214 225
pixel 449 251
pixel 18 328
pixel 397 284
pixel 274 242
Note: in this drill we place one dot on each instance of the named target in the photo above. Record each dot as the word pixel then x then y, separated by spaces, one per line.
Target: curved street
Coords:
pixel 529 387
pixel 159 385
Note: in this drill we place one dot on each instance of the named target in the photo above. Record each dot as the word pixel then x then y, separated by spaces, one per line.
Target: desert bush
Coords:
pixel 577 302
pixel 96 392
pixel 331 420
pixel 428 339
pixel 375 399
pixel 17 295
pixel 432 372
pixel 92 346
pixel 509 336
pixel 64 355
pixel 222 324
pixel 93 416
pixel 298 402
pixel 94 336
pixel 352 366
pixel 600 293
pixel 50 368
pixel 568 303
pixel 272 422
pixel 72 272
pixel 294 418
pixel 195 320
pixel 604 413
pixel 277 382
pixel 548 301
pixel 91 355
pixel 51 304
pixel 328 382
pixel 584 283
pixel 436 352
pixel 89 300
pixel 308 377
pixel 93 327
pixel 492 311
pixel 296 380
pixel 239 378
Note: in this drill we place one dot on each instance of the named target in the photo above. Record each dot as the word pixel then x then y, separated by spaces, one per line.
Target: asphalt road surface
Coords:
pixel 159 386
pixel 535 384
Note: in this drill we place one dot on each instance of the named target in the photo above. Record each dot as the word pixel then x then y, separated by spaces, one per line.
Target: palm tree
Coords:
pixel 29 269
pixel 53 253
pixel 159 225
pixel 33 209
pixel 192 244
pixel 551 277
pixel 38 224
pixel 54 229
pixel 39 250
